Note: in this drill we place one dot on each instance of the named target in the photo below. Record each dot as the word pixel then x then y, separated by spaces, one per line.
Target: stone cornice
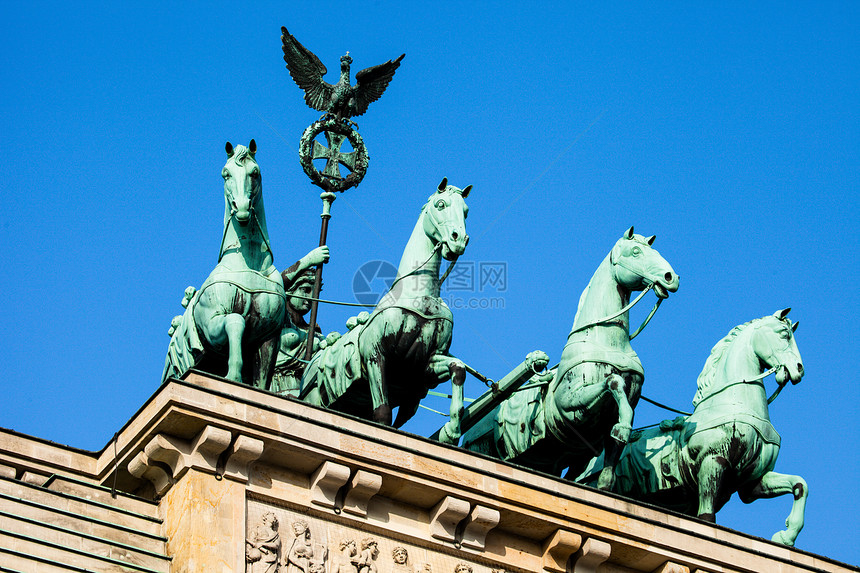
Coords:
pixel 397 484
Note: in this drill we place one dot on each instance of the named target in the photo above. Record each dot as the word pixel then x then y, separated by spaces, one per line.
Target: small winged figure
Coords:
pixel 341 99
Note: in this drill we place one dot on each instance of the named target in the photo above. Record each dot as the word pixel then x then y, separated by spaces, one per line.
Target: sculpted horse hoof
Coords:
pixel 783 537
pixel 606 479
pixel 382 414
pixel 621 433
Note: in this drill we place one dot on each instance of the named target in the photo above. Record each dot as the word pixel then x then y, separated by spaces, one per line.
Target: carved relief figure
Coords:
pixel 463 568
pixel 369 552
pixel 401 559
pixel 263 546
pixel 301 551
pixel 346 558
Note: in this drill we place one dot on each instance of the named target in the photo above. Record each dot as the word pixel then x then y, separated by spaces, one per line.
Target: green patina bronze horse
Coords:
pixel 392 357
pixel 238 312
pixel 693 464
pixel 588 405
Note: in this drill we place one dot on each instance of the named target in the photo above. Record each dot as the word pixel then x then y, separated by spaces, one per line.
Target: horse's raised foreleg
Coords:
pixel 774 484
pixel 620 432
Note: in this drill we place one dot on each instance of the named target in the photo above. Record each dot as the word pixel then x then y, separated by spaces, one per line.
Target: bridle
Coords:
pixel 233 212
pixel 752 380
pixel 436 247
pixel 610 317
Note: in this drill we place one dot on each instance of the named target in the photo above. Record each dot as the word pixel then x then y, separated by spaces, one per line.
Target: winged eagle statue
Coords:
pixel 341 99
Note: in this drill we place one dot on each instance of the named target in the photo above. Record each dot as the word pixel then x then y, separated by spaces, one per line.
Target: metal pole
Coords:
pixel 485 403
pixel 328 198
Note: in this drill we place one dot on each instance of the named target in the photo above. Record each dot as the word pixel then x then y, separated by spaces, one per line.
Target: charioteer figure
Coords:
pixel 298 284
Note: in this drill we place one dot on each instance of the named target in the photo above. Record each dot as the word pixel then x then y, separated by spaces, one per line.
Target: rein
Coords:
pixel 437 247
pixel 421 266
pixel 337 302
pixel 224 234
pixel 448 271
pixel 606 319
pixel 409 274
pixel 227 226
pixel 761 376
pixel 262 234
pixel 647 319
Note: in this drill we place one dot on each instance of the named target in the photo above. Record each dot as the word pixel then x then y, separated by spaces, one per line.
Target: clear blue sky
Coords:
pixel 732 133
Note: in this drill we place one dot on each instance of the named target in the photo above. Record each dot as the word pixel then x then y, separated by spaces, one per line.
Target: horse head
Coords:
pixel 242 183
pixel 445 219
pixel 774 344
pixel 767 342
pixel 636 265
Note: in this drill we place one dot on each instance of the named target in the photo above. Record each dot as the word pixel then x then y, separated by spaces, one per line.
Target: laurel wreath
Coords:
pixel 327 182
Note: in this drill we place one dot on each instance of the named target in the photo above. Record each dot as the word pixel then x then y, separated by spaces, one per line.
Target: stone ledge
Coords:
pixel 286 444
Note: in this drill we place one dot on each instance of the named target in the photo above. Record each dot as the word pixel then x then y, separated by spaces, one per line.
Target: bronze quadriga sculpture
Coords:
pixel 231 325
pixel 693 464
pixel 396 354
pixel 235 324
pixel 589 404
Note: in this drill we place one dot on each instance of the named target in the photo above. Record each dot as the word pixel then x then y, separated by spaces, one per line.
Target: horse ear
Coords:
pixel 252 147
pixel 780 314
pixel 229 149
pixel 466 190
pixel 443 185
pixel 628 234
pixel 794 326
pixel 650 240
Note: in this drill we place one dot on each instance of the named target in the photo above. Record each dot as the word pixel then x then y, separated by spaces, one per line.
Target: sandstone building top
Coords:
pixel 218 463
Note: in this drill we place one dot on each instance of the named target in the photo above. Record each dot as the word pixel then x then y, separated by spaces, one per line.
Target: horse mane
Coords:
pixel 718 352
pixel 448 190
pixel 241 153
